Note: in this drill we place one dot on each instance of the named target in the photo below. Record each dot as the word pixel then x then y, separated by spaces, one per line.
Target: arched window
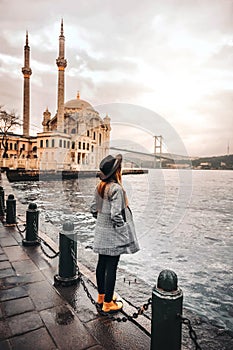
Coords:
pixel 94 135
pixel 47 143
pixel 100 139
pixel 92 148
pixel 73 131
pixel 41 143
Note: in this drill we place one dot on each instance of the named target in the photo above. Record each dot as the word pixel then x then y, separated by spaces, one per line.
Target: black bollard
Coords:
pixel 32 225
pixel 11 210
pixel 2 201
pixel 67 256
pixel 167 299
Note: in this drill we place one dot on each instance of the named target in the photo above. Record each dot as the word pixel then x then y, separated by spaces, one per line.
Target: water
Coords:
pixel 184 223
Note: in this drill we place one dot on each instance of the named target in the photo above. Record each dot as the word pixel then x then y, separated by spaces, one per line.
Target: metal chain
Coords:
pixel 42 241
pixel 19 230
pixel 125 318
pixel 192 333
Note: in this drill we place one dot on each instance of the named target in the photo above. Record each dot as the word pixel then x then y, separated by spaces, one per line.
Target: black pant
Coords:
pixel 106 275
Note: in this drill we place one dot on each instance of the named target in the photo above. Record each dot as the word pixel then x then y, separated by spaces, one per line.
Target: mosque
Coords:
pixel 75 138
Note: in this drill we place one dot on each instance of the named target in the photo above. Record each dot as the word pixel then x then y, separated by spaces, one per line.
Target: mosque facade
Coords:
pixel 75 138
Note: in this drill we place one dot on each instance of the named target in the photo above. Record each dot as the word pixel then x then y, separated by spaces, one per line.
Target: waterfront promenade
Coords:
pixel 34 314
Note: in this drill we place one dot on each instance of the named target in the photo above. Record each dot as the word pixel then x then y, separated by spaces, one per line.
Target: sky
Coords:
pixel 171 57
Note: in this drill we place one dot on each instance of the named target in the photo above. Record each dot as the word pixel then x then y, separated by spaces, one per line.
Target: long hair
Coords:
pixel 115 177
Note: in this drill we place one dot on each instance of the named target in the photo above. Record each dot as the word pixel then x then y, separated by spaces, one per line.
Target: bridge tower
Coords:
pixel 158 151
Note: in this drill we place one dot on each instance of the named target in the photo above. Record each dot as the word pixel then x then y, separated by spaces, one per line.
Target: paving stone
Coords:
pixel 7 273
pixel 15 253
pixel 3 257
pixel 40 337
pixel 13 293
pixel 5 331
pixel 66 329
pixel 8 241
pixel 5 345
pixel 79 301
pixel 40 259
pixel 17 306
pixel 25 266
pixel 1 313
pixel 3 234
pixel 5 265
pixel 23 279
pixel 23 323
pixel 115 335
pixel 43 295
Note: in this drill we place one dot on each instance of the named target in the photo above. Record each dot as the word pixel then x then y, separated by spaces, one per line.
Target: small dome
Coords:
pixel 78 104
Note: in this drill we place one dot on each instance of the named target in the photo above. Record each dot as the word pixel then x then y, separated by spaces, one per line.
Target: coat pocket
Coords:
pixel 122 235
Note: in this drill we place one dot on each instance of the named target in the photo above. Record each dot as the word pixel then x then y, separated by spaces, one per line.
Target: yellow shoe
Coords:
pixel 100 299
pixel 113 306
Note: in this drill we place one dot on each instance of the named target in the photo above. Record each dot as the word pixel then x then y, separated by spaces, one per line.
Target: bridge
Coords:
pixel 153 155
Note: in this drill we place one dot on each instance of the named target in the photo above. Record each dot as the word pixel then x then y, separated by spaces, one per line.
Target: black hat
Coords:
pixel 109 165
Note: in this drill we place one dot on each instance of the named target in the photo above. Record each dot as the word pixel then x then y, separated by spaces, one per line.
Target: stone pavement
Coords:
pixel 36 315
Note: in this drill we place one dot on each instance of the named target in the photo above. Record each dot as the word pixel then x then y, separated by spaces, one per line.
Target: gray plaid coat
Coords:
pixel 114 231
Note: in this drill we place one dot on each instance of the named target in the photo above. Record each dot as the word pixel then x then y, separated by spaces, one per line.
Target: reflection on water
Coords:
pixel 183 226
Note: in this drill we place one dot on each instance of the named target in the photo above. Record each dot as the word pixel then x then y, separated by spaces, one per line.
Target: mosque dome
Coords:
pixel 78 104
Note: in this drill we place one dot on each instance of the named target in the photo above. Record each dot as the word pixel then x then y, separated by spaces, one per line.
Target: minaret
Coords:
pixel 61 63
pixel 26 70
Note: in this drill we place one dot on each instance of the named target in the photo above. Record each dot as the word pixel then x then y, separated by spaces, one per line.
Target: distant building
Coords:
pixel 75 138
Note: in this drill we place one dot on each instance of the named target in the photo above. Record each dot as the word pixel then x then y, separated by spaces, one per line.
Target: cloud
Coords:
pixel 174 56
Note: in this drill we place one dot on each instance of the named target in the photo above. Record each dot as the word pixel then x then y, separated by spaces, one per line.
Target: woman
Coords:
pixel 114 231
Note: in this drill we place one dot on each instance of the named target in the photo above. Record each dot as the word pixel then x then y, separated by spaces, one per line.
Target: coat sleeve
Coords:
pixel 117 205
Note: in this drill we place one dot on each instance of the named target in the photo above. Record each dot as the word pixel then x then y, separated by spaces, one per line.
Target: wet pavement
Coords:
pixel 34 314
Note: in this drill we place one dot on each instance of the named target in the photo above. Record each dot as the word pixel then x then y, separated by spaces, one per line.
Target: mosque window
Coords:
pixel 79 145
pixel 73 145
pixel 11 145
pixel 41 143
pixel 60 143
pixel 84 146
pixel 94 135
pixel 68 144
pixel 100 139
pixel 79 158
pixel 73 131
pixel 15 146
pixel 88 145
pixel 64 143
pixel 92 148
pixel 47 143
pixel 23 146
pixel 88 133
pixel 53 143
